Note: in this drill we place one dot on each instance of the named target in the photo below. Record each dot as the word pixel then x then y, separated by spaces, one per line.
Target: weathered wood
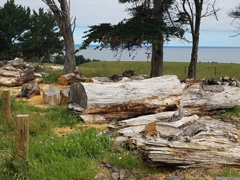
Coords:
pixel 77 97
pixel 200 98
pixel 67 79
pixel 135 126
pixel 29 90
pixel 6 104
pixel 22 136
pixel 201 144
pixel 167 139
pixel 51 96
pixel 124 100
pixel 16 72
pixel 64 96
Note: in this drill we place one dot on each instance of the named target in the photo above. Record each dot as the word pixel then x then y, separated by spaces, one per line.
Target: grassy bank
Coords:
pixel 77 155
pixel 204 70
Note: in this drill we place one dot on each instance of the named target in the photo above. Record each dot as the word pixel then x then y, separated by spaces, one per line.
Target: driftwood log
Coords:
pixel 166 139
pixel 29 90
pixel 67 79
pixel 199 144
pixel 198 98
pixel 16 72
pixel 123 100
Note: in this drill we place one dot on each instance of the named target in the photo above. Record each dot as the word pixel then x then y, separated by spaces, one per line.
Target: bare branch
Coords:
pixel 74 24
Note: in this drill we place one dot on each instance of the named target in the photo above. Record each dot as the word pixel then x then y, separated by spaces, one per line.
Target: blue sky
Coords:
pixel 93 12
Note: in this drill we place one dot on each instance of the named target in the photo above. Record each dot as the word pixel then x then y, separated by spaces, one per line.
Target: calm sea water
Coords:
pixel 171 54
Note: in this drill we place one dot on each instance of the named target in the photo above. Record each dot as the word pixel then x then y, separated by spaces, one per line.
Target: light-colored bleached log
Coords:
pixel 124 100
pixel 51 96
pixel 16 72
pixel 200 98
pixel 213 144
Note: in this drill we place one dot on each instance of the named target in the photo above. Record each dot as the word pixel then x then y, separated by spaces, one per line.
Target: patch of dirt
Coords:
pixel 64 131
pixel 37 100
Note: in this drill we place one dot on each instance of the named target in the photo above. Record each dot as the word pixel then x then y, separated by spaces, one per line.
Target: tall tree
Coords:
pixel 194 11
pixel 62 16
pixel 43 38
pixel 14 20
pixel 151 23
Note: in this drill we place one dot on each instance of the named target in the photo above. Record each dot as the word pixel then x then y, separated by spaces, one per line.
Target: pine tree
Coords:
pixel 152 22
pixel 14 20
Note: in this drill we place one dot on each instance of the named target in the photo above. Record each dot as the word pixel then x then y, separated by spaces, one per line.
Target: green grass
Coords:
pixel 76 156
pixel 51 157
pixel 53 76
pixel 204 70
pixel 229 172
pixel 231 113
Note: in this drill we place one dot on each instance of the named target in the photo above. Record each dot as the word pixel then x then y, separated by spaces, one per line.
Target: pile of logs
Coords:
pixel 167 139
pixel 17 72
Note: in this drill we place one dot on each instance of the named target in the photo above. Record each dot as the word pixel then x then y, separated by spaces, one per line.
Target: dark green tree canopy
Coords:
pixel 43 38
pixel 14 20
pixel 143 28
pixel 28 35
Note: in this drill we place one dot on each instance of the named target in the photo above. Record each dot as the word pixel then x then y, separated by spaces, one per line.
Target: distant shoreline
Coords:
pixel 200 47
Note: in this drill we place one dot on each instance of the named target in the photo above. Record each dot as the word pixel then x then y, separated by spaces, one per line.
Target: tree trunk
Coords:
pixel 157 60
pixel 69 63
pixel 157 47
pixel 62 16
pixel 195 28
pixel 194 57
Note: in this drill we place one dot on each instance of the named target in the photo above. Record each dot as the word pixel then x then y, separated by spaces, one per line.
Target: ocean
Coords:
pixel 171 54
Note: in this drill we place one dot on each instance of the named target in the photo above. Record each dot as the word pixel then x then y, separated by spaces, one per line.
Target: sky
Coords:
pixel 93 12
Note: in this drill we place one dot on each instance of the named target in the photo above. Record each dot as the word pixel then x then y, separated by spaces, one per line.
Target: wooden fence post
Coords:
pixel 6 104
pixel 22 137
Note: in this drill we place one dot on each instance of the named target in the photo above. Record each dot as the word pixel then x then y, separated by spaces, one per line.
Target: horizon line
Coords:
pixel 79 45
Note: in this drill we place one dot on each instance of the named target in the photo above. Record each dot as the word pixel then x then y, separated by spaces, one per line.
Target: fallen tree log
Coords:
pixel 16 72
pixel 123 100
pixel 67 79
pixel 201 144
pixel 185 142
pixel 198 98
pixel 29 90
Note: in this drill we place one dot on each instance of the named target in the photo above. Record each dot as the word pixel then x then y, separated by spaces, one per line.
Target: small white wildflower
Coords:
pixel 52 143
pixel 40 142
pixel 120 158
pixel 52 137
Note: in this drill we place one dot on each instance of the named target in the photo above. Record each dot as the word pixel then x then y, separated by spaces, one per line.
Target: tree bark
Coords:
pixel 195 28
pixel 63 19
pixel 69 63
pixel 157 47
pixel 194 58
pixel 157 60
